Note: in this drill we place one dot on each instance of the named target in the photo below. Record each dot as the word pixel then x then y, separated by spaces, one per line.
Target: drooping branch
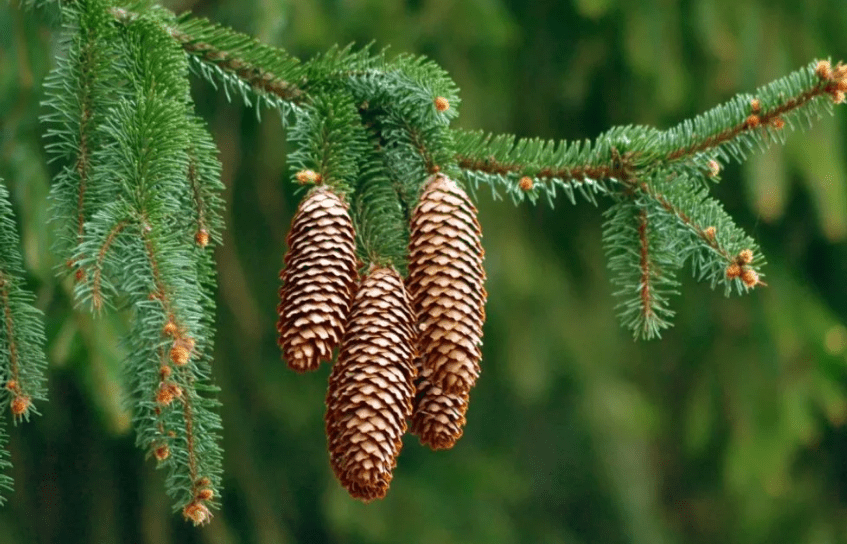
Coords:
pixel 75 92
pixel 22 359
pixel 644 265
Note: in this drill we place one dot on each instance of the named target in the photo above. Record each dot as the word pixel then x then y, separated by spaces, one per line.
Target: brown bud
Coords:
pixel 170 328
pixel 11 385
pixel 307 176
pixel 714 168
pixel 20 404
pixel 752 121
pixel 202 237
pixel 525 183
pixel 181 351
pixel 197 513
pixel 778 123
pixel 745 256
pixel 179 355
pixel 441 103
pixel 162 452
pixel 733 271
pixel 205 494
pixel 823 69
pixel 710 232
pixel 837 97
pixel 167 392
pixel 755 105
pixel 750 277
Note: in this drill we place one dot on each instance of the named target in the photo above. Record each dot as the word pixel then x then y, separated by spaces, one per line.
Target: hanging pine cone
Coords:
pixel 438 419
pixel 318 280
pixel 446 285
pixel 371 386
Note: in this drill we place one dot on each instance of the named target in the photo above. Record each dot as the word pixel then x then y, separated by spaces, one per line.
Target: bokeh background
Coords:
pixel 730 429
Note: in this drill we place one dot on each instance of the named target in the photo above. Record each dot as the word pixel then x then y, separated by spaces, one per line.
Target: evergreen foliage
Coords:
pixel 142 209
pixel 137 196
pixel 22 360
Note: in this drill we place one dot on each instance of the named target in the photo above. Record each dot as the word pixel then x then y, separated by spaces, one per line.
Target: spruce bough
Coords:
pixel 136 204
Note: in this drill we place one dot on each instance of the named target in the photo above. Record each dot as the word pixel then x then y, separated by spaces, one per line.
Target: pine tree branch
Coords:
pixel 646 269
pixel 643 260
pixel 724 132
pixel 704 233
pixel 96 292
pixel 75 92
pixel 22 359
pixel 767 110
pixel 204 176
pixel 327 139
pixel 157 179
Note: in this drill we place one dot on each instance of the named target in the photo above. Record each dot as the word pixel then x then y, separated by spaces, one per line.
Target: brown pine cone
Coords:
pixel 371 386
pixel 446 285
pixel 438 419
pixel 318 280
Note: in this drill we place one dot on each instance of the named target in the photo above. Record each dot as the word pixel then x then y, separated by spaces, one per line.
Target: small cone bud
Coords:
pixel 181 351
pixel 710 232
pixel 750 277
pixel 307 176
pixel 745 256
pixel 161 453
pixel 197 512
pixel 714 168
pixel 824 69
pixel 205 494
pixel 755 105
pixel 441 103
pixel 371 386
pixel 525 183
pixel 733 271
pixel 202 238
pixel 167 392
pixel 170 328
pixel 318 281
pixel 20 404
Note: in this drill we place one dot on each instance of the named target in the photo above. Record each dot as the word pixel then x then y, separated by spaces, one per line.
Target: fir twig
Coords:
pixel 22 359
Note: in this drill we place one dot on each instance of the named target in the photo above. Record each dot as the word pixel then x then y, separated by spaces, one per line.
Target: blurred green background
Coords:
pixel 730 429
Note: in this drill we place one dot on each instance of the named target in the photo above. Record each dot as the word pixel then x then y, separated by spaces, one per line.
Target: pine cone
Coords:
pixel 371 386
pixel 318 280
pixel 446 285
pixel 438 419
